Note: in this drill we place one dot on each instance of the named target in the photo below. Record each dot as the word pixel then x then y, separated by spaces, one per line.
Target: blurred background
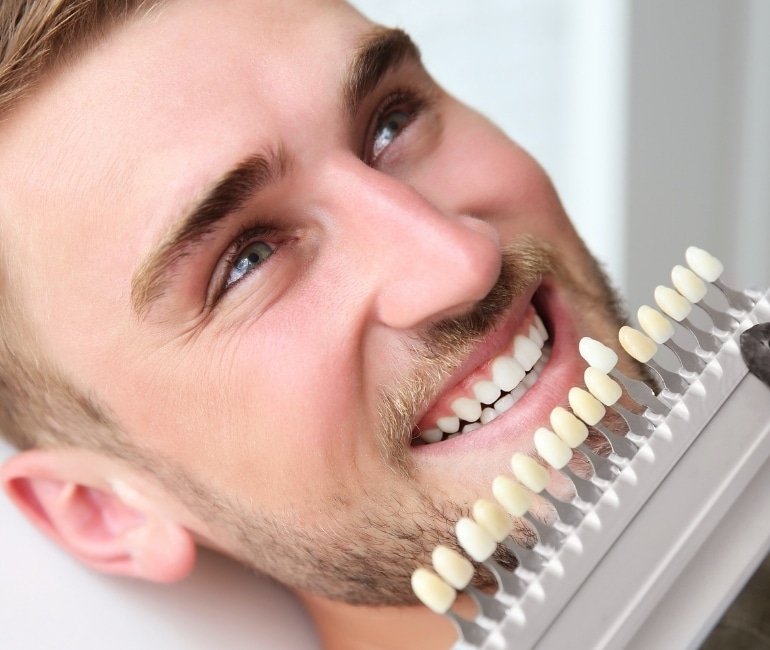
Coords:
pixel 653 119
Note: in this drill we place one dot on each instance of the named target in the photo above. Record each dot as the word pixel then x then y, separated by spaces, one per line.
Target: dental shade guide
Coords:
pixel 657 428
pixel 755 350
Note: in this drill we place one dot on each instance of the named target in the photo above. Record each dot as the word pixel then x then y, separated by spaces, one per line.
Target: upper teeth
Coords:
pixel 487 392
pixel 506 373
pixel 510 375
pixel 467 408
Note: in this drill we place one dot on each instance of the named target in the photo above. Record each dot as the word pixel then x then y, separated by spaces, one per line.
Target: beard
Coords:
pixel 375 535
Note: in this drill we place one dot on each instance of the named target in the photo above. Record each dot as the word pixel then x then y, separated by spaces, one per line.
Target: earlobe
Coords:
pixel 93 521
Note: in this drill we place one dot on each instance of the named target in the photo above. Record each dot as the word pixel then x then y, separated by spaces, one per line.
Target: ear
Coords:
pixel 81 501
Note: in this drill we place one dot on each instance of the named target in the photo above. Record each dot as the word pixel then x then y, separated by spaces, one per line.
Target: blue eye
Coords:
pixel 388 129
pixel 247 260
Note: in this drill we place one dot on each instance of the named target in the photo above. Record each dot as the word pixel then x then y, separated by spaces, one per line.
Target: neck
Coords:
pixel 347 627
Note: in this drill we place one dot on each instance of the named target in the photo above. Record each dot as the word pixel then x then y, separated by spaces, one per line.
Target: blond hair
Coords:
pixel 39 405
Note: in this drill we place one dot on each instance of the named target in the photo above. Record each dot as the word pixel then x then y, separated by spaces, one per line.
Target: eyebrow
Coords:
pixel 379 51
pixel 225 198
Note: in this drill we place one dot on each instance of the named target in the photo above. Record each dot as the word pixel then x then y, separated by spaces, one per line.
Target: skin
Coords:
pixel 270 401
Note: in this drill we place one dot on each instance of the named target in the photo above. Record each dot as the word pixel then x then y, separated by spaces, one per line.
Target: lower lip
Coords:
pixel 563 371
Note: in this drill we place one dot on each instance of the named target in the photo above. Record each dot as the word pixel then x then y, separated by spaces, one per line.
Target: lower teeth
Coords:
pixel 506 400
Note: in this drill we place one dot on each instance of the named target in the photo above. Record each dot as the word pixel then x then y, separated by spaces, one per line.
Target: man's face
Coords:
pixel 259 254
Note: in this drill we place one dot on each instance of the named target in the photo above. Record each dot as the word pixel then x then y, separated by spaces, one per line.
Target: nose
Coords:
pixel 422 265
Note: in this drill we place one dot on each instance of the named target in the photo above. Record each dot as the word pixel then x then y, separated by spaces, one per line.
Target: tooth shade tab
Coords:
pixel 672 304
pixel 597 354
pixel 640 347
pixel 449 424
pixel 432 435
pixel 586 407
pixel 704 264
pixel 688 283
pixel 568 427
pixel 525 352
pixel 655 325
pixel 514 497
pixel 606 390
pixel 452 567
pixel 476 541
pixel 552 449
pixel 487 392
pixel 432 591
pixel 507 373
pixel 529 472
pixel 466 409
pixel 492 518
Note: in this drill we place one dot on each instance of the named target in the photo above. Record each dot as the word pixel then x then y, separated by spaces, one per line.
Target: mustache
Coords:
pixel 444 345
pixel 524 262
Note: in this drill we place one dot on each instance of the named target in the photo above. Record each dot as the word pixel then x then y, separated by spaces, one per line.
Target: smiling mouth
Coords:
pixel 492 388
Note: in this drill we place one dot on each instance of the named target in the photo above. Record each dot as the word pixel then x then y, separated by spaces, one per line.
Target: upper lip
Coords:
pixel 492 345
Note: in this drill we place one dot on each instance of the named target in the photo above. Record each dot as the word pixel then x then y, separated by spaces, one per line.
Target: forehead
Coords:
pixel 192 63
pixel 124 137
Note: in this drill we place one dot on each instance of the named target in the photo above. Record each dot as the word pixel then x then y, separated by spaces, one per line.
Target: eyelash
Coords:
pixel 414 103
pixel 249 234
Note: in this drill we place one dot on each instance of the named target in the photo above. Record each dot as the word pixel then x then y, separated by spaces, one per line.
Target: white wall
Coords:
pixel 698 156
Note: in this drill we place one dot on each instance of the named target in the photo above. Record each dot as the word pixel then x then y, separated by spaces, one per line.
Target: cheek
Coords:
pixel 490 176
pixel 274 414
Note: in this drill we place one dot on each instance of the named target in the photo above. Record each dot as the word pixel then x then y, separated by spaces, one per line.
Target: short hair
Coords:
pixel 40 405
